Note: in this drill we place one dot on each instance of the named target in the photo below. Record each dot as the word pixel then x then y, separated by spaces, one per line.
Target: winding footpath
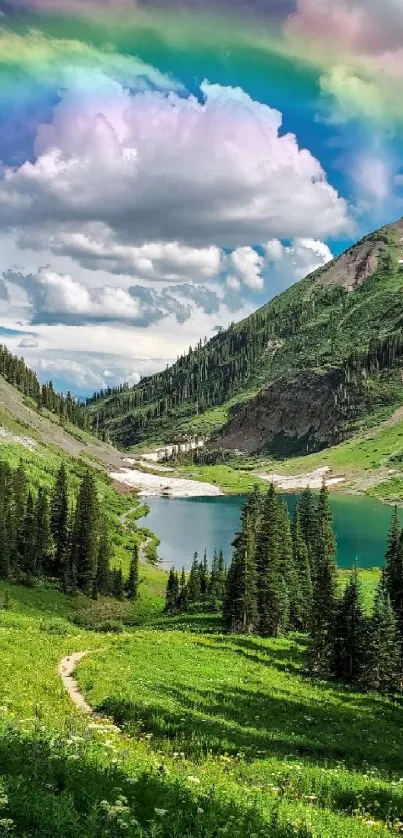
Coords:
pixel 65 669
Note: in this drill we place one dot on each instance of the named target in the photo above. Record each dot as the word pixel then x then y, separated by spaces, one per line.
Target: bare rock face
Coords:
pixel 360 262
pixel 304 413
pixel 354 267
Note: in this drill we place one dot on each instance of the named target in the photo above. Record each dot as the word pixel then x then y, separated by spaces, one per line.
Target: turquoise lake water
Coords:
pixel 185 525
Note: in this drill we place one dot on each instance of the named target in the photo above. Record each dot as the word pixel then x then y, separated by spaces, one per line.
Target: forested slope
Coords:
pixel 295 375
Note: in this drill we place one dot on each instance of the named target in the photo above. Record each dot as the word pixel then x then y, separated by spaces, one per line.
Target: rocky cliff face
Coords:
pixel 301 414
pixel 360 262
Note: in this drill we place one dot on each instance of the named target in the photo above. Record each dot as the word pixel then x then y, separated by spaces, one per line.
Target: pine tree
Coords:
pixel 392 562
pixel 7 522
pixel 172 592
pixel 382 671
pixel 28 546
pixel 349 633
pixel 183 592
pixel 302 565
pixel 194 588
pixel 222 576
pixel 20 503
pixel 240 609
pixel 43 535
pixel 324 594
pixel 287 568
pixel 60 525
pixel 103 574
pixel 117 584
pixel 325 543
pixel 132 586
pixel 308 520
pixel 393 569
pixel 272 594
pixel 204 578
pixel 84 548
pixel 212 590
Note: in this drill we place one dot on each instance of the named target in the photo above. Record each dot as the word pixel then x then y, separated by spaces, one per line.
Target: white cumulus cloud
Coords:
pixel 151 167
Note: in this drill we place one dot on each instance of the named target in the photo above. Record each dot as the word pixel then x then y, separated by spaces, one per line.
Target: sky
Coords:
pixel 168 167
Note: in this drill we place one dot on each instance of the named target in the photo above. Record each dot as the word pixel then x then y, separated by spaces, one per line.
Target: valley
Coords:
pixel 171 724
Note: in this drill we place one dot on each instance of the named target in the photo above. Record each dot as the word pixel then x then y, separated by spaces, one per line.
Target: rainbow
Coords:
pixel 307 51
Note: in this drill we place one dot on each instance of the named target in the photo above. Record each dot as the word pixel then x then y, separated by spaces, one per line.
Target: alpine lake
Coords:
pixel 187 525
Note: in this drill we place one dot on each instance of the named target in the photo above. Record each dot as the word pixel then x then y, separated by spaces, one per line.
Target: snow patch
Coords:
pixel 309 480
pixel 153 485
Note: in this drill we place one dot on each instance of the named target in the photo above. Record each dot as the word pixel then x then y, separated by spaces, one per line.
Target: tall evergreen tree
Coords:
pixel 60 525
pixel 7 521
pixel 103 574
pixel 28 545
pixel 84 548
pixel 392 560
pixel 194 588
pixel 240 609
pixel 272 594
pixel 393 569
pixel 382 670
pixel 172 592
pixel 20 503
pixel 349 633
pixel 43 535
pixel 308 519
pixel 222 576
pixel 302 565
pixel 212 590
pixel 324 595
pixel 287 568
pixel 204 577
pixel 183 592
pixel 132 587
pixel 117 583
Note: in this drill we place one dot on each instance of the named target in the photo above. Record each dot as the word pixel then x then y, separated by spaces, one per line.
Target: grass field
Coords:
pixel 222 735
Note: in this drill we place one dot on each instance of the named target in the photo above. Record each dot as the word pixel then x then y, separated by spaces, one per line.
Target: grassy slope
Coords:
pixel 223 736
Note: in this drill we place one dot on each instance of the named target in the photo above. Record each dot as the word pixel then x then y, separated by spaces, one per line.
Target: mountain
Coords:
pixel 295 376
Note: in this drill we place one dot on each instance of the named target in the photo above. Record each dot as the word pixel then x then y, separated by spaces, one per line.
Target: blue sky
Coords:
pixel 165 172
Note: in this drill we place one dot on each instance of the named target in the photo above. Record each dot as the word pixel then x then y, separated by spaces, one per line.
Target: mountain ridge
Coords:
pixel 317 328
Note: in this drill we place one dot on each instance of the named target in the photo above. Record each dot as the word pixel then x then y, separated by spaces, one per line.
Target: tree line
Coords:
pixel 47 535
pixel 283 578
pixel 15 371
pixel 204 587
pixel 382 353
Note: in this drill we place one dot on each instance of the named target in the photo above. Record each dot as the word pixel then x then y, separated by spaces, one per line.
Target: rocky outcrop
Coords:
pixel 298 414
pixel 354 267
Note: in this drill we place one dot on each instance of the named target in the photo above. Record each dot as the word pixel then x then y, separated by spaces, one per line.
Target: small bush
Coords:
pixel 56 627
pixel 109 627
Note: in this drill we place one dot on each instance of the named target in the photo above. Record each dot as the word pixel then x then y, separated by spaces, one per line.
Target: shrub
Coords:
pixel 109 627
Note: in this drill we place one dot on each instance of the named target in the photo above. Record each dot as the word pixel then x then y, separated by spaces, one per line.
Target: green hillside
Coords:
pixel 336 334
pixel 196 733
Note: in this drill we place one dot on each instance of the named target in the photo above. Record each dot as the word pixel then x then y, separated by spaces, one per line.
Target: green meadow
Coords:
pixel 219 735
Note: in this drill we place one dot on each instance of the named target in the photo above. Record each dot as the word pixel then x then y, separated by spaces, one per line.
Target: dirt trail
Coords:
pixel 99 723
pixel 65 669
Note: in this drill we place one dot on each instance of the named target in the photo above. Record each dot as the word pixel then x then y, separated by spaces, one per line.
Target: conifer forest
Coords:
pixel 59 536
pixel 283 579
